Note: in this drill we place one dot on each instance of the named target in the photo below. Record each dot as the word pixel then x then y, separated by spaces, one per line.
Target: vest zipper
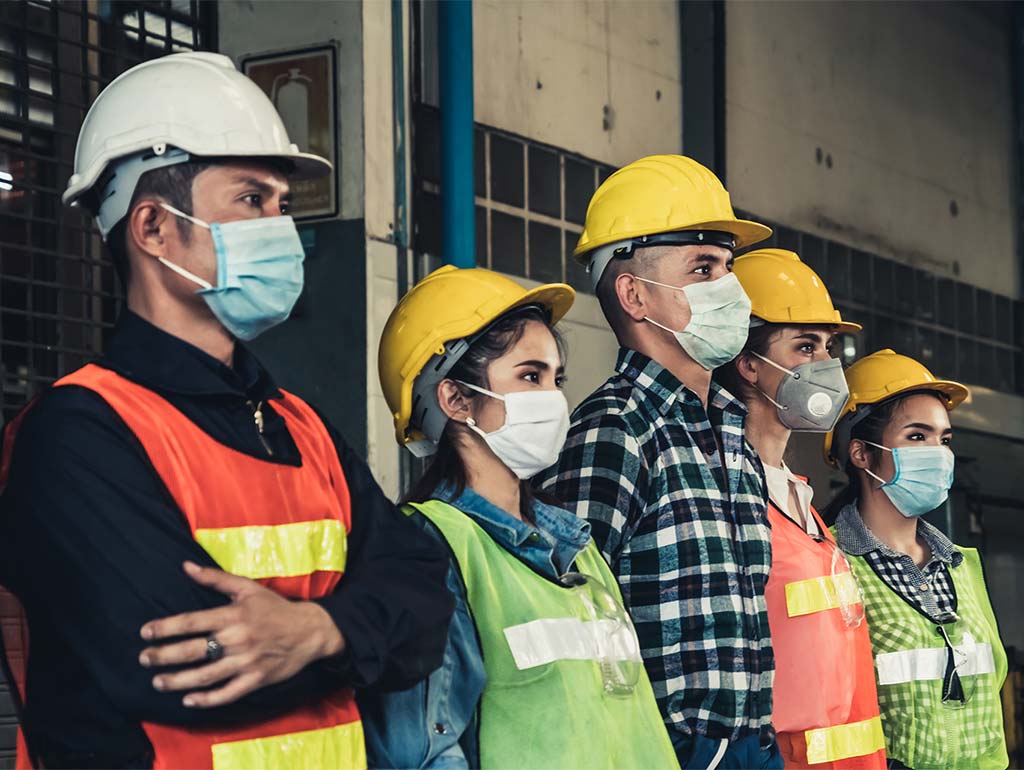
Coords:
pixel 257 417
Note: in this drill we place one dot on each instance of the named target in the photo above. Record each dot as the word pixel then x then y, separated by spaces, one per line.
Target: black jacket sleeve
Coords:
pixel 392 605
pixel 93 544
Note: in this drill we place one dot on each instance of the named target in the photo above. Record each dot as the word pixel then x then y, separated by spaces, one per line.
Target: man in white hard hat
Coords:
pixel 207 568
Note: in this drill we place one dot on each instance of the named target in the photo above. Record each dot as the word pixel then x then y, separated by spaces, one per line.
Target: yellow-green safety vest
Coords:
pixel 545 703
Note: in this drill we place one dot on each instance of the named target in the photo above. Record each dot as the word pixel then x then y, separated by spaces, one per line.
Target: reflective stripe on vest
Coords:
pixel 283 525
pixel 856 739
pixel 330 747
pixel 824 699
pixel 541 680
pixel 544 641
pixel 284 550
pixel 920 731
pixel 821 593
pixel 930 663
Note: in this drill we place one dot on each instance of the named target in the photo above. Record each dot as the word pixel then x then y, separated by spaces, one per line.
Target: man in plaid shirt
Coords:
pixel 656 460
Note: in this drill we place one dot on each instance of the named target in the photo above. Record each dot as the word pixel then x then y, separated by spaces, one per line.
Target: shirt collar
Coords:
pixel 941 546
pixel 563 532
pixel 150 356
pixel 664 389
pixel 779 481
pixel 854 537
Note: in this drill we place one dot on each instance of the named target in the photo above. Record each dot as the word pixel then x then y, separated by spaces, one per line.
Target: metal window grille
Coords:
pixel 531 197
pixel 531 201
pixel 58 293
pixel 955 329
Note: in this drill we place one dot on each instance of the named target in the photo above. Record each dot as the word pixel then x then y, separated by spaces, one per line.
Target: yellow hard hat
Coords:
pixel 784 290
pixel 661 194
pixel 435 318
pixel 877 378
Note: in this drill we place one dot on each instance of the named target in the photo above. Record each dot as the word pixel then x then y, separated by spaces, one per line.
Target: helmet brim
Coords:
pixel 845 327
pixel 953 394
pixel 305 165
pixel 747 233
pixel 556 298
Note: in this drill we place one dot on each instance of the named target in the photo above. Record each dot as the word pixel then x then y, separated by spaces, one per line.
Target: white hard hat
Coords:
pixel 163 112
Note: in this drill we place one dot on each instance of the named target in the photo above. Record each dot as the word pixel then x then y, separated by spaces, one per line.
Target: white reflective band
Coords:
pixel 544 641
pixel 930 663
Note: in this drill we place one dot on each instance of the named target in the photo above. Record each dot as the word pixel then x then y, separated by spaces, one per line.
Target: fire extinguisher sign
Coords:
pixel 301 84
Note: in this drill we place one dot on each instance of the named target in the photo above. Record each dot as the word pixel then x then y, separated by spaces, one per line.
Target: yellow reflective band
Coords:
pixel 332 748
pixel 285 550
pixel 857 739
pixel 821 593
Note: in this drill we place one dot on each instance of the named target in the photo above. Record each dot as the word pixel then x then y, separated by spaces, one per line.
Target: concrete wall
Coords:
pixel 890 127
pixel 320 352
pixel 599 78
pixel 912 105
pixel 602 79
pixel 246 27
pixel 546 71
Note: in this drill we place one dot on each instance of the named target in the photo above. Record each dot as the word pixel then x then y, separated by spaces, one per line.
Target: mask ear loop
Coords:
pixel 665 286
pixel 185 216
pixel 470 422
pixel 868 471
pixel 177 268
pixel 660 326
pixel 795 375
pixel 790 372
pixel 658 283
pixel 478 389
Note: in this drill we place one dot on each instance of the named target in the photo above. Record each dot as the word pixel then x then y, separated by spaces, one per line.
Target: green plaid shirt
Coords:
pixel 687 537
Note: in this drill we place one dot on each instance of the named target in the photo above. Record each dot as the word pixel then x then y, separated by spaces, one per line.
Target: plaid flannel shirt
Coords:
pixel 687 538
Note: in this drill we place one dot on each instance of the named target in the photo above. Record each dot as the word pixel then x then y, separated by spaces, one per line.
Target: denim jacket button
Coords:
pixel 439 728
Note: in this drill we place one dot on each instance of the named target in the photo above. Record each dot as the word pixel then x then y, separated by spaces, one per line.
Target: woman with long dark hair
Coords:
pixel 542 667
pixel 939 660
pixel 825 708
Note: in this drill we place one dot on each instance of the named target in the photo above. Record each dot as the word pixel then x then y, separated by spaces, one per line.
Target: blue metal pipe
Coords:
pixel 455 44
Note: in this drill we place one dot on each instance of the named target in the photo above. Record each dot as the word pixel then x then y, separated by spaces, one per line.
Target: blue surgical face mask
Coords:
pixel 719 320
pixel 924 475
pixel 259 272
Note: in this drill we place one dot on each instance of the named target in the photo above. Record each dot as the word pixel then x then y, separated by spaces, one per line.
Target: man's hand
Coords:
pixel 266 638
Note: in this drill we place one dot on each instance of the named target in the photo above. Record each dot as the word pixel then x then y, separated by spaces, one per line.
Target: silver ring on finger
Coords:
pixel 214 649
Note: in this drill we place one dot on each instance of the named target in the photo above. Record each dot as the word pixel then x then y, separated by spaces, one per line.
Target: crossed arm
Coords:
pixel 95 548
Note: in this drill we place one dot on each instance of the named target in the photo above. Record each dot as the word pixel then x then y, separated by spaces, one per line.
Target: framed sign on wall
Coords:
pixel 302 86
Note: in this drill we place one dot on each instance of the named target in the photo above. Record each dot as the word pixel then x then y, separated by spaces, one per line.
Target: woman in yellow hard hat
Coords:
pixel 825 707
pixel 542 667
pixel 938 657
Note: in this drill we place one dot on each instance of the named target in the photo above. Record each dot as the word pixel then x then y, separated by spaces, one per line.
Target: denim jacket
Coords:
pixel 433 723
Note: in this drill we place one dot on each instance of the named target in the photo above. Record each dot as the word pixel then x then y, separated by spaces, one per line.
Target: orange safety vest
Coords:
pixel 825 706
pixel 283 526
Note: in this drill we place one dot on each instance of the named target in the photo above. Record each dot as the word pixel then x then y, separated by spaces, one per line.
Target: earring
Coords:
pixel 470 422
